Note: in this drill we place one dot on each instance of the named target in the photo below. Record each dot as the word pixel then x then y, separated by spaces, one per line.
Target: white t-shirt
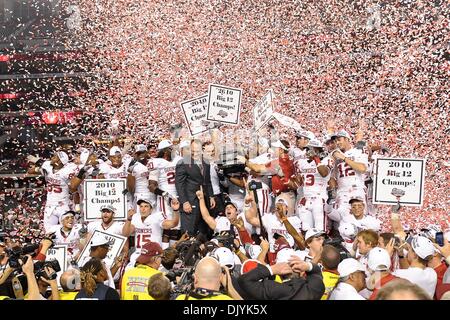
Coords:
pixel 345 291
pixel 367 222
pixel 424 278
pixel 274 225
pixel 115 228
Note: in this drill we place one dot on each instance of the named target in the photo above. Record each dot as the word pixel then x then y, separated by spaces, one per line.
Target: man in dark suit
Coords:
pixel 259 285
pixel 191 173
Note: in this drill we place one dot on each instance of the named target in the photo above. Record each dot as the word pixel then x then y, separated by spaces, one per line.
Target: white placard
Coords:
pixel 59 253
pixel 99 192
pixel 224 104
pixel 115 249
pixel 263 111
pixel 195 114
pixel 287 121
pixel 403 174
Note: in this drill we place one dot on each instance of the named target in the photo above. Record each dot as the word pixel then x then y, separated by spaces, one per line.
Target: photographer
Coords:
pixel 48 279
pixel 208 278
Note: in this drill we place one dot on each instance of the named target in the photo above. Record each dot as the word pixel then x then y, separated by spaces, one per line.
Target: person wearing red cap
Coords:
pixel 135 280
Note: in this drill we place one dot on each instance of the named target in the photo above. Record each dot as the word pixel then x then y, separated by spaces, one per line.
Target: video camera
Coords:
pixel 17 253
pixel 337 243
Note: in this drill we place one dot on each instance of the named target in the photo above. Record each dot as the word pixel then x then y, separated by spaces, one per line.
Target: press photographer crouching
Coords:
pixel 27 275
pixel 209 276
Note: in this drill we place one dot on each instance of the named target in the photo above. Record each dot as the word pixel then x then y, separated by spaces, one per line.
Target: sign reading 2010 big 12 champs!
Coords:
pixel 99 192
pixel 224 104
pixel 405 177
pixel 195 114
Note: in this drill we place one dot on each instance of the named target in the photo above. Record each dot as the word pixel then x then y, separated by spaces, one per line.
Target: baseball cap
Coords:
pixel 100 240
pixel 313 232
pixel 249 265
pixel 282 201
pixel 284 255
pixel 279 144
pixel 305 134
pixel 114 151
pixel 108 207
pixel 147 200
pixel 422 246
pixel 328 137
pixel 65 214
pixel 280 244
pixel 355 198
pixel 315 143
pixel 224 256
pixel 164 144
pixel 63 157
pixel 253 251
pixel 349 266
pixel 184 144
pixel 140 148
pixel 149 250
pixel 342 133
pixel 347 230
pixel 222 224
pixel 378 259
pixel 230 202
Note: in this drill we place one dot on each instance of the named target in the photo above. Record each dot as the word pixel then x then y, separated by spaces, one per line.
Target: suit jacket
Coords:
pixel 258 285
pixel 189 177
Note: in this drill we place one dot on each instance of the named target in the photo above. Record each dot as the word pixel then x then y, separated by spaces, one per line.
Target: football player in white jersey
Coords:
pixel 57 172
pixel 230 217
pixel 148 225
pixel 87 166
pixel 350 166
pixel 316 172
pixel 298 154
pixel 278 222
pixel 162 184
pixel 107 222
pixel 68 233
pixel 116 168
pixel 137 179
pixel 357 217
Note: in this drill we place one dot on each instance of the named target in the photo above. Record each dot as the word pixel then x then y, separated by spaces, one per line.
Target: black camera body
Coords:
pixel 39 269
pixel 255 185
pixel 337 243
pixel 17 253
pixel 226 239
